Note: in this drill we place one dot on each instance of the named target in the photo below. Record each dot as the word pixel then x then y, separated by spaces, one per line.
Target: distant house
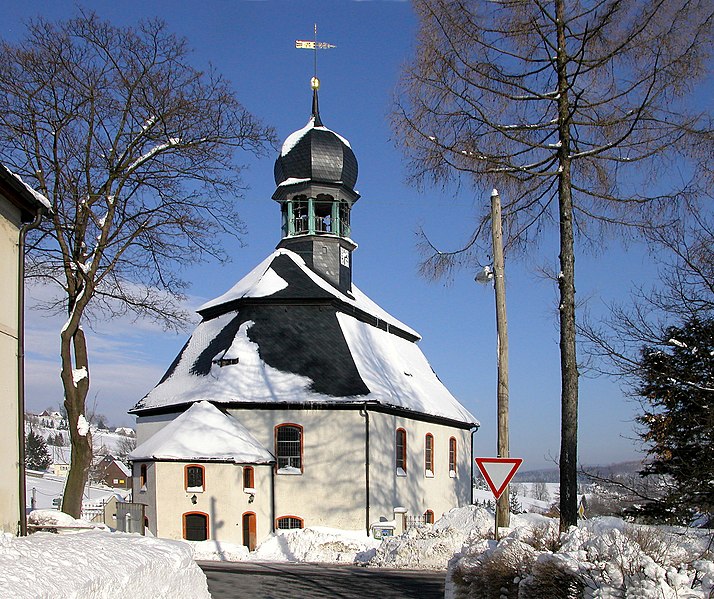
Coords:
pixel 112 472
pixel 20 209
pixel 298 401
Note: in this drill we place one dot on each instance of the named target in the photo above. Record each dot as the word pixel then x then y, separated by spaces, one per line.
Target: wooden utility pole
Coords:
pixel 503 514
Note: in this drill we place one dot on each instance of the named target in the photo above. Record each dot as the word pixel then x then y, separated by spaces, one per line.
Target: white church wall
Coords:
pixel 416 490
pixel 222 500
pixel 330 491
pixel 9 446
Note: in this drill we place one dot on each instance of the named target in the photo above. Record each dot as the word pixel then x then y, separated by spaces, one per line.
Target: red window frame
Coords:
pixel 248 477
pixel 185 478
pixel 205 515
pixel 452 454
pixel 277 456
pixel 429 453
pixel 400 449
pixel 428 517
pixel 293 518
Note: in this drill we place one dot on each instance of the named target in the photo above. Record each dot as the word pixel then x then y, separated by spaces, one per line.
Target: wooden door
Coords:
pixel 249 536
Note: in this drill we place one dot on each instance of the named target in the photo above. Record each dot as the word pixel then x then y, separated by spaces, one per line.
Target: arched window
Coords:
pixel 429 455
pixel 193 478
pixel 400 452
pixel 248 477
pixel 288 448
pixel 428 517
pixel 289 522
pixel 142 477
pixel 195 526
pixel 452 457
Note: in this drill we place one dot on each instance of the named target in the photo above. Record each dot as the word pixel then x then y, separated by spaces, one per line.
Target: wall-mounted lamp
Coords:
pixel 251 498
pixel 194 499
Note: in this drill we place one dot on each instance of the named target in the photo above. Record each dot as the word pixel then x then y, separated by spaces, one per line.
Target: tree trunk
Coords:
pixel 75 393
pixel 566 284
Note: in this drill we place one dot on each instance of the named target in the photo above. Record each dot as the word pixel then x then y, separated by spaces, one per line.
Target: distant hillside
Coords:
pixel 551 475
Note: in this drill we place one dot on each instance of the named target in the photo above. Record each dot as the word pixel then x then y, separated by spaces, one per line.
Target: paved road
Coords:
pixel 311 581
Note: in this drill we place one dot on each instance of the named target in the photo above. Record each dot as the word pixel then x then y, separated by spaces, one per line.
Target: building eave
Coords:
pixel 351 404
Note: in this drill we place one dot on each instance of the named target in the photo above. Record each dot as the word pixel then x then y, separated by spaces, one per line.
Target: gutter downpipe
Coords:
pixel 471 467
pixel 21 367
pixel 363 412
pixel 272 497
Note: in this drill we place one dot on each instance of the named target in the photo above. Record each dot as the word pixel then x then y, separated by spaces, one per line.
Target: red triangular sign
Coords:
pixel 498 472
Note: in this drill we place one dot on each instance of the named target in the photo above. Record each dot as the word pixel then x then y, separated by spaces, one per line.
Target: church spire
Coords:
pixel 315 176
pixel 315 85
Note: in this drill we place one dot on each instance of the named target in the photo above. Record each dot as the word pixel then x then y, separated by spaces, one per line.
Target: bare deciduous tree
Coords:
pixel 134 148
pixel 579 113
pixel 684 253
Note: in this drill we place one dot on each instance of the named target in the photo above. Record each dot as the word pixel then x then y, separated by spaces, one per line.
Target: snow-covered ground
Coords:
pixel 46 488
pixel 603 558
pixel 96 563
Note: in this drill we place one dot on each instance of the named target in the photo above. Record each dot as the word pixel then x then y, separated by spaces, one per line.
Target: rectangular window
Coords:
pixel 400 452
pixel 248 477
pixel 288 448
pixel 194 478
pixel 429 455
pixel 452 457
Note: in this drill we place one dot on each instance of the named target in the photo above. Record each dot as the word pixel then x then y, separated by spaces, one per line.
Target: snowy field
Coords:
pixel 603 558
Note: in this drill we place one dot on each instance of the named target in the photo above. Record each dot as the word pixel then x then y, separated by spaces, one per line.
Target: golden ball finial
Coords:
pixel 315 83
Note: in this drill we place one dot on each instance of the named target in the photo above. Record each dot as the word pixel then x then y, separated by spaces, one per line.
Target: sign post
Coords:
pixel 498 472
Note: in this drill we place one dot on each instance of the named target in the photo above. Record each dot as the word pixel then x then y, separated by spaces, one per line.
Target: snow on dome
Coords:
pixel 318 154
pixel 204 433
pixel 292 140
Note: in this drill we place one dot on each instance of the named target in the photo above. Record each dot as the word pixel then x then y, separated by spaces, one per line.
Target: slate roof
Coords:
pixel 284 335
pixel 318 154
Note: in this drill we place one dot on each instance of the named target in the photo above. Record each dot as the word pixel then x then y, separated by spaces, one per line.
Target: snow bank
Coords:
pixel 316 545
pixel 64 522
pixel 603 558
pixel 98 564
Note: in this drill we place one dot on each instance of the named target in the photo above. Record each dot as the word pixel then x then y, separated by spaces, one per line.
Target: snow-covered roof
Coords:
pixel 203 433
pixel 30 194
pixel 283 335
pixel 263 281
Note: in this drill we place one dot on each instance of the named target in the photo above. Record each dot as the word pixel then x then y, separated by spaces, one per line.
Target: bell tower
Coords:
pixel 315 176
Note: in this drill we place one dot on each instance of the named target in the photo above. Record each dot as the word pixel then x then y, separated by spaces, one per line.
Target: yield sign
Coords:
pixel 498 472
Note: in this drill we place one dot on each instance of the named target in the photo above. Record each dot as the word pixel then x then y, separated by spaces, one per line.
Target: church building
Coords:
pixel 298 401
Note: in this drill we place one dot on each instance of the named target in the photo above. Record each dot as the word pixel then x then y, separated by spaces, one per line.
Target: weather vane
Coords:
pixel 313 45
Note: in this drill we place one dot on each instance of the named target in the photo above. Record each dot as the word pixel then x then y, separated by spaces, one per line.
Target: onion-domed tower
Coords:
pixel 315 176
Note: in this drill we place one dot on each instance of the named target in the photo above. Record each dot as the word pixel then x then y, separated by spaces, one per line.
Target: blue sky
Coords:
pixel 252 44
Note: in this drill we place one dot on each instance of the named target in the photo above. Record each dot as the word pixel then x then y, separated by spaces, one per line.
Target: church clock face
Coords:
pixel 344 257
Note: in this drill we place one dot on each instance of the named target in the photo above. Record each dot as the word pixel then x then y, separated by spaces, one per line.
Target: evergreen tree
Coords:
pixel 37 457
pixel 514 503
pixel 677 387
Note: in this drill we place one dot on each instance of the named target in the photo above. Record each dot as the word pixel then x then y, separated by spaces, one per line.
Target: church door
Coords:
pixel 249 536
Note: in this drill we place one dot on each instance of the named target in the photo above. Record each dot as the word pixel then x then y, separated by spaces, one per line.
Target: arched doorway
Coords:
pixel 249 536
